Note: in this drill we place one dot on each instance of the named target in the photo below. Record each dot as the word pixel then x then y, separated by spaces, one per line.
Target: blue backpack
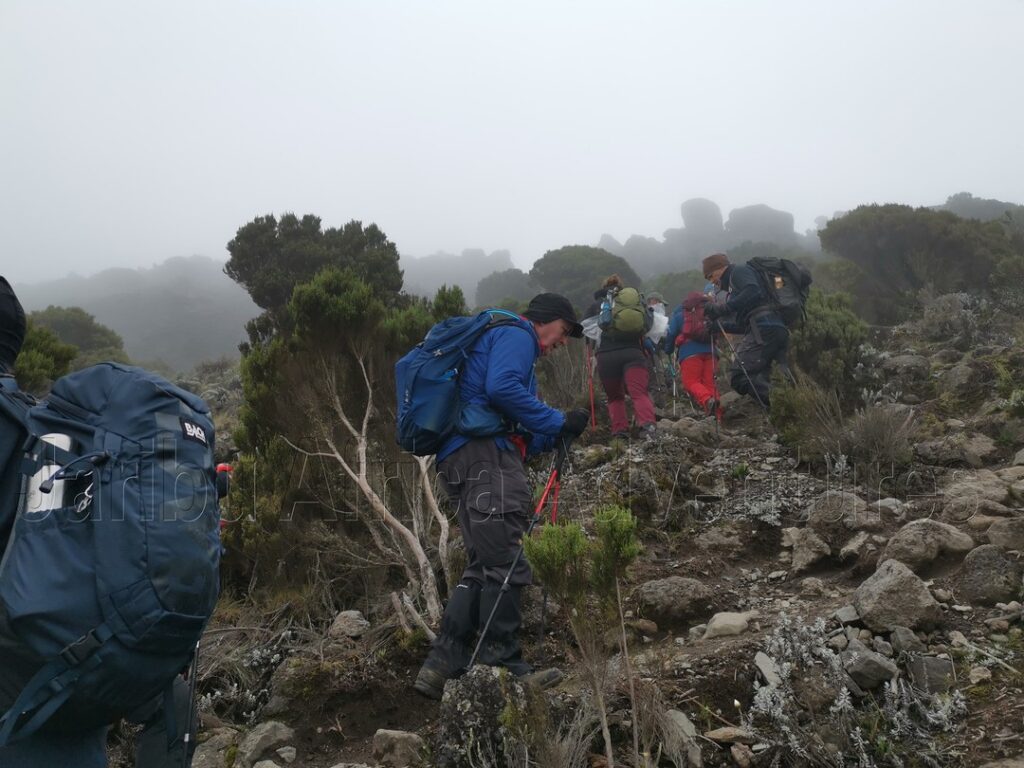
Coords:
pixel 111 583
pixel 427 383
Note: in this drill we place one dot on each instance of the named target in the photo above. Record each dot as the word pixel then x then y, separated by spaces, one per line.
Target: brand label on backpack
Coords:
pixel 192 431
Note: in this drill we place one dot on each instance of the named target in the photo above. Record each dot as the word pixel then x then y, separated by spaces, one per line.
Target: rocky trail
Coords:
pixel 779 615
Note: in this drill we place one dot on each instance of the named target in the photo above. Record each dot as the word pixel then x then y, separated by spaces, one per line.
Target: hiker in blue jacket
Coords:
pixel 766 339
pixel 484 477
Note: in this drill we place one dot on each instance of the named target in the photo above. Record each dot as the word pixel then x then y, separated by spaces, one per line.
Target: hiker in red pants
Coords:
pixel 621 359
pixel 696 355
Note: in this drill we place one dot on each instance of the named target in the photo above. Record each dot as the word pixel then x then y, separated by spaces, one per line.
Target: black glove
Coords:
pixel 576 422
pixel 713 311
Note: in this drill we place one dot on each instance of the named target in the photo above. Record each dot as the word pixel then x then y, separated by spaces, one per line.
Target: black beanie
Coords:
pixel 12 327
pixel 546 307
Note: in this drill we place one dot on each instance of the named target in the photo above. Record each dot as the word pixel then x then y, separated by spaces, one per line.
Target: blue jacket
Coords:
pixel 499 376
pixel 746 294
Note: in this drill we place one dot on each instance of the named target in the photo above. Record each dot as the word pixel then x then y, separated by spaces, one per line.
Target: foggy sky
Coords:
pixel 132 131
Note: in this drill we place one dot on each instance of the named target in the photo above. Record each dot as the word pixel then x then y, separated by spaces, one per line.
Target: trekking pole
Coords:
pixel 714 381
pixel 187 739
pixel 590 379
pixel 553 483
pixel 743 368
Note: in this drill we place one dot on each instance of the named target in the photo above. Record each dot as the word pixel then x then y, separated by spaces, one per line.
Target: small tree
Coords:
pixel 827 345
pixel 73 325
pixel 576 271
pixel 580 572
pixel 43 359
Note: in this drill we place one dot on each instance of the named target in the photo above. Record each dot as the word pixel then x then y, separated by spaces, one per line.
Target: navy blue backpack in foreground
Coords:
pixel 111 583
pixel 427 380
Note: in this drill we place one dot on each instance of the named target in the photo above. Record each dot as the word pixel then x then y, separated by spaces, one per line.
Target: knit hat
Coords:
pixel 12 327
pixel 545 307
pixel 713 262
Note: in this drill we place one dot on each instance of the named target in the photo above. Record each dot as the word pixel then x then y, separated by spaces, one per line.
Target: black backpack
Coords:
pixel 787 285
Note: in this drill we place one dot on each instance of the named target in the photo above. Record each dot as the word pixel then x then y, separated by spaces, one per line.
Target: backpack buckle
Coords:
pixel 77 652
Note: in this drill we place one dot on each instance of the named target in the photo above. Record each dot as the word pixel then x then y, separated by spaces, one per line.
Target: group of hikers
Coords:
pixel 101 614
pixel 480 461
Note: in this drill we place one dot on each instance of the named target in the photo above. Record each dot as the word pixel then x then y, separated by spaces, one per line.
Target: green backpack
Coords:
pixel 627 315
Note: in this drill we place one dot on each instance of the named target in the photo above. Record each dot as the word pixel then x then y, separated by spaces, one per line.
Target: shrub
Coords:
pixel 873 439
pixel 827 346
pixel 950 316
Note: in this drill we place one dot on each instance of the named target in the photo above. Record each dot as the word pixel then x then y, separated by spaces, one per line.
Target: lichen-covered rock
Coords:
pixel 348 624
pixel 920 543
pixel 894 597
pixel 909 368
pixel 212 751
pixel 673 601
pixel 478 718
pixel 989 575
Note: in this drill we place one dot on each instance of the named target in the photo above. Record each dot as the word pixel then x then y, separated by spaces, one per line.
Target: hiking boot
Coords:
pixel 649 432
pixel 430 683
pixel 620 435
pixel 543 679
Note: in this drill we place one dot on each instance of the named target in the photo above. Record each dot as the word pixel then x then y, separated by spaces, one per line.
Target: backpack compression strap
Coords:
pixel 52 685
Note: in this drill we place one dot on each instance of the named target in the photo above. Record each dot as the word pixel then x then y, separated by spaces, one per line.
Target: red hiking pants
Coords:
pixel 698 374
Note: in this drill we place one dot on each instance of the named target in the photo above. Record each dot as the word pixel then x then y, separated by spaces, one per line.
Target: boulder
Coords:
pixel 908 367
pixel 920 543
pixel 989 576
pixel 976 493
pixel 960 380
pixel 808 548
pixel 212 751
pixel 262 738
pixel 397 749
pixel 475 717
pixel 958 449
pixel 673 601
pixel 1007 533
pixel 931 674
pixel 700 431
pixel 348 624
pixel 768 668
pixel 867 668
pixel 836 515
pixel 904 640
pixel 893 596
pixel 681 737
pixel 1018 460
pixel 729 623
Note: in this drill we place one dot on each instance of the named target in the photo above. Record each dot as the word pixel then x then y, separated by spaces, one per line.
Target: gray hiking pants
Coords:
pixel 757 352
pixel 489 489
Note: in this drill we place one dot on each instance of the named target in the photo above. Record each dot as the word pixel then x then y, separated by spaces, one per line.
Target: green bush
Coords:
pixel 827 346
pixel 43 359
